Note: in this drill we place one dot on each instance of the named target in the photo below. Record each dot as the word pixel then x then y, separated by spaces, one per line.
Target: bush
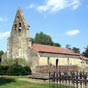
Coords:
pixel 16 70
pixel 3 70
pixel 28 69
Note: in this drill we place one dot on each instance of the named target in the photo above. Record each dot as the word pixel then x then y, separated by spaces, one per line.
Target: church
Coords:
pixel 20 46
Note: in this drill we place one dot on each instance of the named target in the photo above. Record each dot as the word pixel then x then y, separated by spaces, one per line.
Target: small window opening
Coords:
pixel 19 24
pixel 19 30
pixel 19 27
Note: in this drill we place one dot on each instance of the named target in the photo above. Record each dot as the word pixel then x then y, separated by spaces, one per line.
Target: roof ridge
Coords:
pixel 52 49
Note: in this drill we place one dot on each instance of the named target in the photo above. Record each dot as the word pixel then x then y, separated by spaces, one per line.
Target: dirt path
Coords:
pixel 33 80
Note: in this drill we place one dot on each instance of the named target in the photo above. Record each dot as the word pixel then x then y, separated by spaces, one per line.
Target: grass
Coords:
pixel 13 82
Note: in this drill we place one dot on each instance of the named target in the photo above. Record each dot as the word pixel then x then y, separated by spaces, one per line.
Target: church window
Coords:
pixel 19 24
pixel 19 27
pixel 19 30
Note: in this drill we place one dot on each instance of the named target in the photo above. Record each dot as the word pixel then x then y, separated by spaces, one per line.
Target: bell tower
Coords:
pixel 17 46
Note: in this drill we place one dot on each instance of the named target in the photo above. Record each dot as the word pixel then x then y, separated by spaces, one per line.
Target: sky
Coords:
pixel 66 21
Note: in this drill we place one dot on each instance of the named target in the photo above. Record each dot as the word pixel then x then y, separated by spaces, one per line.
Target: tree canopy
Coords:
pixel 74 49
pixel 42 38
pixel 1 52
pixel 85 53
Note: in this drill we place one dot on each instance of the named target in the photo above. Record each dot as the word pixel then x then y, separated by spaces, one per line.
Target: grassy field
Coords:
pixel 14 82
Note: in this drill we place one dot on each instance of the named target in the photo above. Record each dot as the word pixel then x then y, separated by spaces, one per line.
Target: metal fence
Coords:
pixel 71 79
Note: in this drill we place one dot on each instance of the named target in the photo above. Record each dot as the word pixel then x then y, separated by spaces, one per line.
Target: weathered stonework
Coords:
pixel 19 42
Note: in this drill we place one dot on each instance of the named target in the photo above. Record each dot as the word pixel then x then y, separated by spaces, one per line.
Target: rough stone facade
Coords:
pixel 19 42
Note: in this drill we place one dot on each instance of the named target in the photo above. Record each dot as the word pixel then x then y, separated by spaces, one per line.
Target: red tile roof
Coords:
pixel 52 49
pixel 84 58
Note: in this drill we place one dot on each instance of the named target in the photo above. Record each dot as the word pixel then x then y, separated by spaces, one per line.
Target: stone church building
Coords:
pixel 20 46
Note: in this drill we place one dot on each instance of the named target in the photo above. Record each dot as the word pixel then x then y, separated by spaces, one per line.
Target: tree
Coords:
pixel 32 40
pixel 76 50
pixel 56 44
pixel 68 46
pixel 85 53
pixel 1 52
pixel 45 39
pixel 42 38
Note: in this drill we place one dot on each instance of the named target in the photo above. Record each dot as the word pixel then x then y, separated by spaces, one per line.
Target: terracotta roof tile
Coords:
pixel 84 58
pixel 52 49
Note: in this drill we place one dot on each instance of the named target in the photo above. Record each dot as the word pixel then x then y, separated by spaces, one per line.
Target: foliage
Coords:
pixel 42 38
pixel 56 44
pixel 16 70
pixel 76 50
pixel 28 69
pixel 85 53
pixel 16 66
pixel 68 46
pixel 1 52
pixel 3 70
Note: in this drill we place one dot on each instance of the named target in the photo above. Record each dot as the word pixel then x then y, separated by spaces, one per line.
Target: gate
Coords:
pixel 67 79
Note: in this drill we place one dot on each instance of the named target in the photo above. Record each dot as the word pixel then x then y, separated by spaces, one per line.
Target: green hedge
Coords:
pixel 15 70
pixel 3 70
pixel 28 69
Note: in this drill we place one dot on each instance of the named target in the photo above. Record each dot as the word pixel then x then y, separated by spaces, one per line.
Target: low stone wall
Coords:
pixel 46 69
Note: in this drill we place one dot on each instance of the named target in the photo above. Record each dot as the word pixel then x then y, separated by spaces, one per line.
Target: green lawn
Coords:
pixel 13 82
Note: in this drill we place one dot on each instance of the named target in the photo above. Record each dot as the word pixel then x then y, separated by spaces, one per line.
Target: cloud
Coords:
pixel 3 19
pixel 30 6
pixel 4 34
pixel 52 5
pixel 72 32
pixel 75 4
pixel 57 5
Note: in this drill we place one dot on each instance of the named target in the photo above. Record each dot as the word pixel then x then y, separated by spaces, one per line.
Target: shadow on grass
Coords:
pixel 4 80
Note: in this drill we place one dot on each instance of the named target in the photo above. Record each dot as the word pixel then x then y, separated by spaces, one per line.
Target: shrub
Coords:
pixel 28 69
pixel 3 70
pixel 16 70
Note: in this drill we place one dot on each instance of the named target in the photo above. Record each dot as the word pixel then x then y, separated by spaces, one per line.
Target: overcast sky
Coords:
pixel 66 21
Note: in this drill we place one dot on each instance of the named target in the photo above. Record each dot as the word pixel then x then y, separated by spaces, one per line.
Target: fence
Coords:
pixel 71 79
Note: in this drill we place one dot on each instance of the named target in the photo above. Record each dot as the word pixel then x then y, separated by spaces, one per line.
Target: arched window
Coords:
pixel 15 26
pixel 19 24
pixel 19 27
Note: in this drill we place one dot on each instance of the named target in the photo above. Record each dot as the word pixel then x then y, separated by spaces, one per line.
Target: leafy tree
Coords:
pixel 56 44
pixel 1 52
pixel 85 53
pixel 32 40
pixel 42 38
pixel 68 46
pixel 76 50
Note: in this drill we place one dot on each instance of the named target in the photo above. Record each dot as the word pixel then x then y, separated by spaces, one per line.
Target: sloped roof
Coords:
pixel 84 58
pixel 52 49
